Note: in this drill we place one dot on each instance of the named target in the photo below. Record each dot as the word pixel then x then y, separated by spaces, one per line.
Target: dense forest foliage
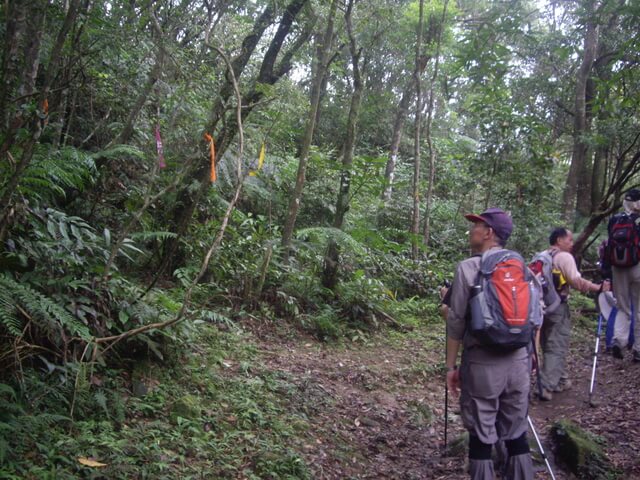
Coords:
pixel 168 166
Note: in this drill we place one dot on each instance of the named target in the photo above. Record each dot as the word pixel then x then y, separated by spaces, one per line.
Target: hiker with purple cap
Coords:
pixel 489 310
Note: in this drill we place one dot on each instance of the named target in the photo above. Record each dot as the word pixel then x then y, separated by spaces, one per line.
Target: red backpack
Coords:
pixel 505 305
pixel 624 241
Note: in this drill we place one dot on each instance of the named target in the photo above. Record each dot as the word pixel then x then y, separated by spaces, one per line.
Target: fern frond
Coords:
pixel 118 151
pixel 257 192
pixel 321 235
pixel 146 236
pixel 7 390
pixel 54 171
pixel 41 421
pixel 101 400
pixel 42 308
pixel 8 315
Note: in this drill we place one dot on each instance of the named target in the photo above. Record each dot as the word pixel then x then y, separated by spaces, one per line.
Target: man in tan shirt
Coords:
pixel 556 328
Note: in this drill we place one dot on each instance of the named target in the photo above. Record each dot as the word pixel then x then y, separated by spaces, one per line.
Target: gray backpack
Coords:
pixel 505 303
pixel 542 266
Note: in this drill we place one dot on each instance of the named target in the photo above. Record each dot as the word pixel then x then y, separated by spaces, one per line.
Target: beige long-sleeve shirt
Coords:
pixel 565 262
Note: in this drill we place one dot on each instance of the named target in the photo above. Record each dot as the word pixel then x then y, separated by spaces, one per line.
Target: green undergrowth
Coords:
pixel 200 405
pixel 333 323
pixel 213 413
pixel 584 316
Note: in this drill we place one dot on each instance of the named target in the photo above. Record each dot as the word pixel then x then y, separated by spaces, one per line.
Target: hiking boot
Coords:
pixel 616 351
pixel 545 396
pixel 636 356
pixel 564 385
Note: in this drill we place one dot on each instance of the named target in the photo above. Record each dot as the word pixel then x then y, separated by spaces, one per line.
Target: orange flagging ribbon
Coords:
pixel 212 155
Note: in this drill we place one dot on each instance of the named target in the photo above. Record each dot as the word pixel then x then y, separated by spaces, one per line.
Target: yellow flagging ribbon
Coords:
pixel 212 155
pixel 252 173
pixel 261 157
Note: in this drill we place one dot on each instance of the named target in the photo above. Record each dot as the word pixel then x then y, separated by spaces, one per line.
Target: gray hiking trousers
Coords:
pixel 554 339
pixel 626 289
pixel 494 403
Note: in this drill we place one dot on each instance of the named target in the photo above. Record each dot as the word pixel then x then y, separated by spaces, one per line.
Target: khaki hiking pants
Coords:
pixel 626 289
pixel 554 339
pixel 494 404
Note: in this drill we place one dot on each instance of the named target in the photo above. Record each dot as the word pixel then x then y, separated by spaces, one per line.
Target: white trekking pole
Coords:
pixel 595 361
pixel 602 303
pixel 544 455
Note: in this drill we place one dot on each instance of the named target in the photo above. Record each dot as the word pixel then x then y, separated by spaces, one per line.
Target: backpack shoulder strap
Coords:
pixel 553 252
pixel 494 255
pixel 491 258
pixel 543 255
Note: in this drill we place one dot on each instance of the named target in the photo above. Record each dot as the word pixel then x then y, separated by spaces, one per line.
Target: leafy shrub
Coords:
pixel 325 324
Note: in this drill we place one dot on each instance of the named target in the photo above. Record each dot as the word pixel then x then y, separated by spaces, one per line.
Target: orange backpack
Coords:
pixel 505 304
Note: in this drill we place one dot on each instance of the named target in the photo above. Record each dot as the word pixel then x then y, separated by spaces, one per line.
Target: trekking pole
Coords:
pixel 544 455
pixel 446 414
pixel 446 384
pixel 538 377
pixel 595 356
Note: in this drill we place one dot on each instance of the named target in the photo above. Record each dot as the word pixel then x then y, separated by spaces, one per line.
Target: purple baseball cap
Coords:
pixel 497 219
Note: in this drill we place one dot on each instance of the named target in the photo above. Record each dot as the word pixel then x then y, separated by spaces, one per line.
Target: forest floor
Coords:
pixel 260 399
pixel 377 407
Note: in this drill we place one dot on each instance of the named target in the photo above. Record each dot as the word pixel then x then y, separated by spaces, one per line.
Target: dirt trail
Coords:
pixel 377 409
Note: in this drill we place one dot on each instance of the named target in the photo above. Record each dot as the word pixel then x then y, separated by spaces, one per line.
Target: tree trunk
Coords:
pixel 580 146
pixel 323 90
pixel 598 178
pixel 591 226
pixel 583 192
pixel 30 31
pixel 396 136
pixel 62 106
pixel 14 31
pixel 154 75
pixel 316 86
pixel 330 273
pixel 415 216
pixel 33 40
pixel 70 117
pixel 32 52
pixel 432 151
pixel 603 68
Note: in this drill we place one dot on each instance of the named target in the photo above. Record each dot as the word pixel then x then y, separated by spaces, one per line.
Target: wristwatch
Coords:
pixel 452 369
